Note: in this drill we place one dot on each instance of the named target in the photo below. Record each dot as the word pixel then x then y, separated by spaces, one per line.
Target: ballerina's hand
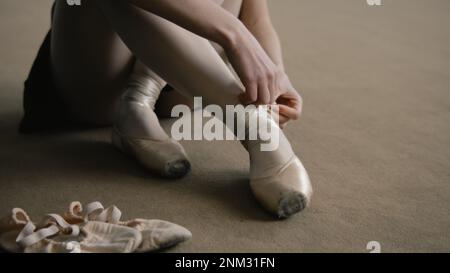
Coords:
pixel 260 76
pixel 265 82
pixel 290 104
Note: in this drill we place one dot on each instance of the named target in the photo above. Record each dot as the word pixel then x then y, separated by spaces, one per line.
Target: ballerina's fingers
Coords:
pixel 292 113
pixel 283 121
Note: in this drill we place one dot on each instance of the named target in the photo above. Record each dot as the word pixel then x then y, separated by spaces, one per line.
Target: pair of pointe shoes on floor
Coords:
pixel 285 191
pixel 95 230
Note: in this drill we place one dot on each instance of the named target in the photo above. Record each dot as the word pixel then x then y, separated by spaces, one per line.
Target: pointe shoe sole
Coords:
pixel 166 158
pixel 286 193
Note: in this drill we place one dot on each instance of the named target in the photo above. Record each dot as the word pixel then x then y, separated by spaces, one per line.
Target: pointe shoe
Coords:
pixel 97 230
pixel 137 131
pixel 93 237
pixel 54 235
pixel 167 158
pixel 156 234
pixel 286 192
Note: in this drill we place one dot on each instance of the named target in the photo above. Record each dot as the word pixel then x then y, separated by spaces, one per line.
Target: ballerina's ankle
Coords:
pixel 143 90
pixel 268 153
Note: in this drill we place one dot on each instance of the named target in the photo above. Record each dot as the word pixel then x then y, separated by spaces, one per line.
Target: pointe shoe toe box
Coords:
pixel 286 193
pixel 167 158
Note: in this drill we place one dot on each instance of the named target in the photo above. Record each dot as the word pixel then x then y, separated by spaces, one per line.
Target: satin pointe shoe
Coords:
pixel 137 131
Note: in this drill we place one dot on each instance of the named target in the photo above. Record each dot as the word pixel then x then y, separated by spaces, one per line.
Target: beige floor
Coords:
pixel 375 137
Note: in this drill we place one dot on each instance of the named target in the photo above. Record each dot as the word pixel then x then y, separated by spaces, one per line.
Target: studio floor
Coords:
pixel 375 138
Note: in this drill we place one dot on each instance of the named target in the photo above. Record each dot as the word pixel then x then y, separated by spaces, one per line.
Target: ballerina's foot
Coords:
pixel 138 133
pixel 286 192
pixel 164 157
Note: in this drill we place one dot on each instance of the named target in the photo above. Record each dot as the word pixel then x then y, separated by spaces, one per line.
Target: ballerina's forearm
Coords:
pixel 255 16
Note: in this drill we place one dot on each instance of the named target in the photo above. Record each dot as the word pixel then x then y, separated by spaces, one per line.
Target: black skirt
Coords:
pixel 44 110
pixel 43 107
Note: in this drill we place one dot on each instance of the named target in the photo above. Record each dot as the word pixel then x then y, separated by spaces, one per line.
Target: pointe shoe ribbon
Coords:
pixel 56 224
pixel 10 227
pixel 18 232
pixel 96 212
